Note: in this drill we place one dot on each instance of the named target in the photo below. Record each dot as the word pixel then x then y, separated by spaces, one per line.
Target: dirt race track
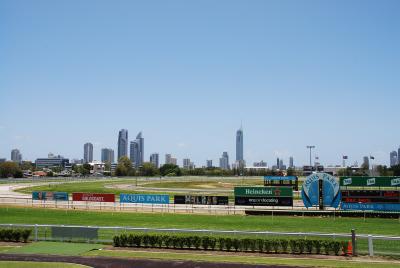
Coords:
pixel 104 262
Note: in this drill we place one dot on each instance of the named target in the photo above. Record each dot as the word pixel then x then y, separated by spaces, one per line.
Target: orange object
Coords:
pixel 349 248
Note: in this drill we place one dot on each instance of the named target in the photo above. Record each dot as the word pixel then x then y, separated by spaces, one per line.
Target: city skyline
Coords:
pixel 324 73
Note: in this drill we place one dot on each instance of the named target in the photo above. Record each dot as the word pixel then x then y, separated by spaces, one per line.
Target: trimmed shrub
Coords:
pixel 293 246
pixel 175 241
pixel 246 244
pixel 336 246
pixel 267 245
pixel 167 241
pixel 213 243
pixel 237 244
pixel 275 245
pixel 309 246
pixel 153 240
pixel 146 240
pixel 123 240
pixel 116 241
pixel 228 244
pixel 137 240
pixel 221 243
pixel 260 245
pixel 344 247
pixel 301 245
pixel 253 245
pixel 205 242
pixel 284 245
pixel 196 242
pixel 327 247
pixel 317 245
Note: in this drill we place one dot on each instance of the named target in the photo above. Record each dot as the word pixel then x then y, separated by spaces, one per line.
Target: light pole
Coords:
pixel 310 147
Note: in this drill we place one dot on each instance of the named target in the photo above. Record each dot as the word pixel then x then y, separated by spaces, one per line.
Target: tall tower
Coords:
pixel 122 143
pixel 239 145
pixel 137 150
pixel 88 152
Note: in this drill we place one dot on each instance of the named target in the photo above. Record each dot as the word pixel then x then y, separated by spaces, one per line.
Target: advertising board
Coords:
pixel 370 181
pixel 370 196
pixel 59 196
pixel 91 197
pixel 321 188
pixel 263 201
pixel 370 206
pixel 144 198
pixel 273 191
pixel 200 200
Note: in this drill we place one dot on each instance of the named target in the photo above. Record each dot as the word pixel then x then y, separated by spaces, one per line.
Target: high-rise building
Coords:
pixel 50 162
pixel 174 161
pixel 277 163
pixel 154 159
pixel 291 162
pixel 88 152
pixel 107 155
pixel 224 161
pixel 260 164
pixel 186 163
pixel 168 159
pixel 16 156
pixel 393 158
pixel 239 145
pixel 122 143
pixel 365 163
pixel 281 164
pixel 137 150
pixel 398 156
pixel 209 164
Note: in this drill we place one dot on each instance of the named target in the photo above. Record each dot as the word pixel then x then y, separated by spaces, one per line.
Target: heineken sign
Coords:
pixel 264 191
pixel 370 181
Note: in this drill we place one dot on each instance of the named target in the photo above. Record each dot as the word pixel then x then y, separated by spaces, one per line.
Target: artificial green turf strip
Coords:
pixel 309 262
pixel 32 264
pixel 55 248
pixel 191 221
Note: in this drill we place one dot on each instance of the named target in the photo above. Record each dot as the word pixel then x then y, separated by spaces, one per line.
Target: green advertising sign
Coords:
pixel 370 181
pixel 264 191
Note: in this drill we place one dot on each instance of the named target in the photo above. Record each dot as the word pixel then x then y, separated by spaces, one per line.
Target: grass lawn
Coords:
pixel 220 222
pixel 309 262
pixel 4 249
pixel 32 264
pixel 55 248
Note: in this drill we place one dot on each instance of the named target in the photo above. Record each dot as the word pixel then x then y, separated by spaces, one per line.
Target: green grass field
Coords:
pixel 32 264
pixel 55 248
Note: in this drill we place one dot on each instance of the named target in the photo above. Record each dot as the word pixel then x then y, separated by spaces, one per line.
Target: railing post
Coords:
pixel 353 241
pixel 36 232
pixel 370 246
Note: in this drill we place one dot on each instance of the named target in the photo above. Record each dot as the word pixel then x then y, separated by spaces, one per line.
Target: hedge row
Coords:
pixel 15 235
pixel 295 246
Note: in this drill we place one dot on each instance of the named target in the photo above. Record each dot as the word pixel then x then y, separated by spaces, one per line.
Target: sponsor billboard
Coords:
pixel 200 200
pixel 144 198
pixel 263 201
pixel 90 197
pixel 370 196
pixel 59 196
pixel 330 194
pixel 370 206
pixel 370 181
pixel 264 191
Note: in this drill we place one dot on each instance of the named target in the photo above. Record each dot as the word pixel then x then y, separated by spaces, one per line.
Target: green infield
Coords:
pixel 32 264
pixel 55 248
pixel 4 249
pixel 193 221
pixel 251 259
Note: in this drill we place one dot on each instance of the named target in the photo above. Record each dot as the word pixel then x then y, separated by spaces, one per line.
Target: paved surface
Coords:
pixel 104 262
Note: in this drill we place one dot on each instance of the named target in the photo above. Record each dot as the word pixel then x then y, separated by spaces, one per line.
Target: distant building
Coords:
pixel 260 164
pixel 52 162
pixel 398 156
pixel 239 147
pixel 2 160
pixel 170 160
pixel 107 155
pixel 77 161
pixel 174 161
pixel 291 162
pixel 224 161
pixel 97 167
pixel 16 156
pixel 137 150
pixel 88 152
pixel 393 158
pixel 281 164
pixel 154 159
pixel 186 163
pixel 365 163
pixel 209 164
pixel 122 143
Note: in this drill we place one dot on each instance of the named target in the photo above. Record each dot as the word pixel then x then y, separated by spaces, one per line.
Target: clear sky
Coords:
pixel 187 73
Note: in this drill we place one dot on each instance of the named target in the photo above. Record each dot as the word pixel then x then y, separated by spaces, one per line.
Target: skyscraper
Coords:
pixel 88 152
pixel 209 164
pixel 137 150
pixel 398 156
pixel 168 159
pixel 239 145
pixel 154 159
pixel 224 161
pixel 122 143
pixel 16 156
pixel 291 162
pixel 393 158
pixel 365 163
pixel 186 163
pixel 107 155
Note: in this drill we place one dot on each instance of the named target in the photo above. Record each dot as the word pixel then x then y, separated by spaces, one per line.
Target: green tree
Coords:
pixel 148 169
pixel 10 169
pixel 170 170
pixel 124 167
pixel 396 170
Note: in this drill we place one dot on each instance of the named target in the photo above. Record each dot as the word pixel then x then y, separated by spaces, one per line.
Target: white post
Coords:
pixel 36 232
pixel 370 246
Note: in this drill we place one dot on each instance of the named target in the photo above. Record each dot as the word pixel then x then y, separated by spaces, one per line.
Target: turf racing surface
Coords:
pixel 104 262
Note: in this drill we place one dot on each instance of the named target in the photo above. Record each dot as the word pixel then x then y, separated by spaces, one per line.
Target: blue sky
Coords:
pixel 187 73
